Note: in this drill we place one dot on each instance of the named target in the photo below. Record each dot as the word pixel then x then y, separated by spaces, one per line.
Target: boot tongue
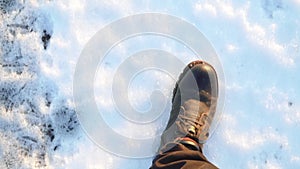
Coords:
pixel 194 108
pixel 194 113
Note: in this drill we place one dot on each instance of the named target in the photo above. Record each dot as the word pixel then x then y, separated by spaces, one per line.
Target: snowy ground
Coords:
pixel 258 44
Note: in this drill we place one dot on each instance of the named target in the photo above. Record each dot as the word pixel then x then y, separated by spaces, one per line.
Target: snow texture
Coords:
pixel 258 44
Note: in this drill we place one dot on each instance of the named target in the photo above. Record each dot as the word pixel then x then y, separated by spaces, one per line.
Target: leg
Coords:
pixel 181 156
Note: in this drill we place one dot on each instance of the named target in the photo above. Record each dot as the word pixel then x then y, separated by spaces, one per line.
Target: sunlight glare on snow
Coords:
pixel 232 47
pixel 206 7
pixel 226 8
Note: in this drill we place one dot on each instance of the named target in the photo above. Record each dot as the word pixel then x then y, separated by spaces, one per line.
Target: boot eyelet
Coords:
pixel 192 130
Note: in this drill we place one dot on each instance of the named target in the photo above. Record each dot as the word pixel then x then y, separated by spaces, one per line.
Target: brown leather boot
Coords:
pixel 193 106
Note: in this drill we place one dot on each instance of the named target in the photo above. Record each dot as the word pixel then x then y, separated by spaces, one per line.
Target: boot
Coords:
pixel 193 106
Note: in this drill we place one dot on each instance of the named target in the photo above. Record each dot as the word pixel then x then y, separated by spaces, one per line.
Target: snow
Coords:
pixel 258 45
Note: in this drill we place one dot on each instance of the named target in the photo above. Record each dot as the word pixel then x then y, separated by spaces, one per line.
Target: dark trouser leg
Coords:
pixel 180 157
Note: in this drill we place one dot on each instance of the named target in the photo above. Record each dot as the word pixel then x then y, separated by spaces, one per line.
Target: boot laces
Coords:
pixel 193 122
pixel 197 120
